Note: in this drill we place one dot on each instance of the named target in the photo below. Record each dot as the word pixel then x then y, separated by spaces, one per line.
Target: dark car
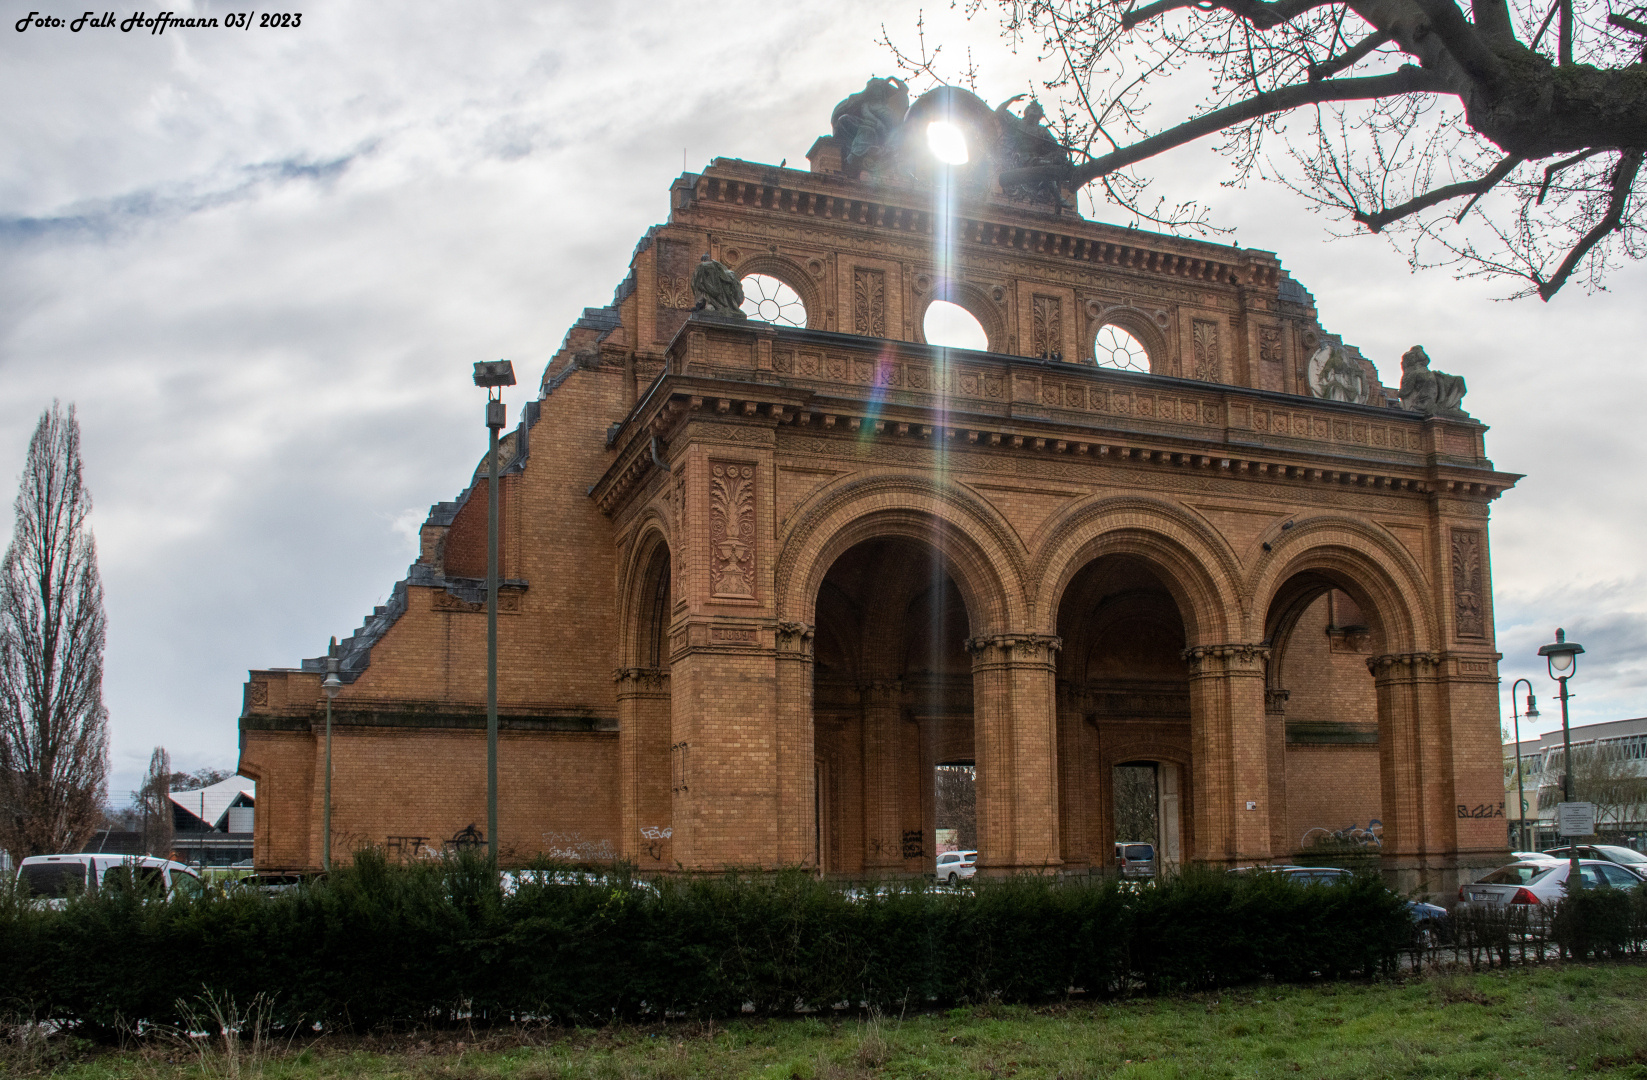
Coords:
pixel 1432 925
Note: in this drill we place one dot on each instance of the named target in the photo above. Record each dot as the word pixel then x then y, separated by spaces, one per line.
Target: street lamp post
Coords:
pixel 332 684
pixel 1520 789
pixel 493 376
pixel 1562 657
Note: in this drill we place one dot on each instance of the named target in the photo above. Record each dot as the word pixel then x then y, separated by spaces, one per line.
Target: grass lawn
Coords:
pixel 1544 1021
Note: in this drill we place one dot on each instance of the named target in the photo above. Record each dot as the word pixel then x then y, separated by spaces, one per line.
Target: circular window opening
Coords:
pixel 947 142
pixel 953 327
pixel 1116 348
pixel 770 300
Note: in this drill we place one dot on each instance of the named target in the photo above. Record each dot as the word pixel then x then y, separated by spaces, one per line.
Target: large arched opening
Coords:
pixel 892 702
pixel 1124 715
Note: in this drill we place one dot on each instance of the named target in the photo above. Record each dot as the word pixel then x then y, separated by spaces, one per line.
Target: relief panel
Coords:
pixel 732 529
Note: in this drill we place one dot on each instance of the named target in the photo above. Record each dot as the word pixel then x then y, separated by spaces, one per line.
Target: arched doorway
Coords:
pixel 645 756
pixel 1321 719
pixel 1124 703
pixel 892 699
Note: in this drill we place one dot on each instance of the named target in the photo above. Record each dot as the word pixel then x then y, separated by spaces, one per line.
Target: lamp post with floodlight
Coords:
pixel 492 376
pixel 1562 657
pixel 332 684
pixel 1520 789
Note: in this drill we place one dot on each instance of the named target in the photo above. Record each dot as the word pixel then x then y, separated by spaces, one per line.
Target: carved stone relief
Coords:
pixel 731 529
pixel 869 302
pixel 1048 313
pixel 1469 615
pixel 1204 337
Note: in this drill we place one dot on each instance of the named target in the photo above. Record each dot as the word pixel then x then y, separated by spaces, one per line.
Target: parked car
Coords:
pixel 1623 856
pixel 1432 925
pixel 1135 859
pixel 54 878
pixel 955 866
pixel 1534 886
pixel 1530 856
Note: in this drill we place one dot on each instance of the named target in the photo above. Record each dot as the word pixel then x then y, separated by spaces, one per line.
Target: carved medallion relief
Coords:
pixel 731 529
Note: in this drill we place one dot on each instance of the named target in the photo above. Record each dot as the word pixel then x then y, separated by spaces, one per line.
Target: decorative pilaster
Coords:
pixel 1014 680
pixel 1229 752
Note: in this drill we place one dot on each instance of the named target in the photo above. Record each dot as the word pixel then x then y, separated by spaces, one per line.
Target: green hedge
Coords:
pixel 379 944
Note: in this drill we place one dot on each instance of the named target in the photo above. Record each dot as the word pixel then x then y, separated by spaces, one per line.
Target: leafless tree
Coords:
pixel 154 801
pixel 53 727
pixel 958 803
pixel 1401 116
pixel 1135 803
pixel 1614 783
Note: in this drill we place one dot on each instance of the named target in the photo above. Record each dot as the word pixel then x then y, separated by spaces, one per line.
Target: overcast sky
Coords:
pixel 260 263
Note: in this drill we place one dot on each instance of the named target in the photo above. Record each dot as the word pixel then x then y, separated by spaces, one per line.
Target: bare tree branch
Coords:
pixel 1624 177
pixel 1352 56
pixel 1406 80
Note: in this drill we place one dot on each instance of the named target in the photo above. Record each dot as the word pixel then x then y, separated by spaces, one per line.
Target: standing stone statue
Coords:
pixel 1432 393
pixel 869 122
pixel 716 289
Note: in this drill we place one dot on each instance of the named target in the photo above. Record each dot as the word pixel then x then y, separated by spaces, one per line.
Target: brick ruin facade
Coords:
pixel 759 579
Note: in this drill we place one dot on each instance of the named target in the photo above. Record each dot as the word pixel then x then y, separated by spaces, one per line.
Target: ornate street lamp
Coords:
pixel 1562 656
pixel 492 376
pixel 332 684
pixel 1520 790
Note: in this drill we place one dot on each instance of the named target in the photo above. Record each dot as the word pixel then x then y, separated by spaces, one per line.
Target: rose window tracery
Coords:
pixel 1115 348
pixel 768 299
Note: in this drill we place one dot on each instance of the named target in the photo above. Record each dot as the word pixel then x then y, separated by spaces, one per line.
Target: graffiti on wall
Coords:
pixel 572 847
pixel 654 837
pixel 1351 835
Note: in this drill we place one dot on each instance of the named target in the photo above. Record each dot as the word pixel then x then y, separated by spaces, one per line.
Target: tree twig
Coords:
pixel 1353 55
pixel 1377 222
pixel 1624 176
pixel 1552 169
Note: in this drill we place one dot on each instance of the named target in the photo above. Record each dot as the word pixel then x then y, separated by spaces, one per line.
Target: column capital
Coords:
pixel 1228 658
pixel 1413 662
pixel 1026 646
pixel 794 639
pixel 634 679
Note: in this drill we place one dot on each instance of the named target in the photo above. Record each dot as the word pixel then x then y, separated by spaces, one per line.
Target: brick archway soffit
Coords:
pixel 636 582
pixel 1367 562
pixel 986 559
pixel 791 273
pixel 977 300
pixel 1147 750
pixel 1195 564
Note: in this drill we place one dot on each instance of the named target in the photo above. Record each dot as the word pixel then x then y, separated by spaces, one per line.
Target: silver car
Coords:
pixel 955 866
pixel 1623 856
pixel 1533 886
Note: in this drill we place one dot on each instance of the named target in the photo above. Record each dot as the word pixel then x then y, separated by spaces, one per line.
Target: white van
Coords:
pixel 54 878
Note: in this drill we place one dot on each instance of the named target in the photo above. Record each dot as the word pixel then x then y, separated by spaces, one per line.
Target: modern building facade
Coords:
pixel 762 575
pixel 1610 769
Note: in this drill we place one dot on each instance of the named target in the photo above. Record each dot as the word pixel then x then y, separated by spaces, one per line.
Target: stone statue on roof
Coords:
pixel 1034 163
pixel 868 124
pixel 1333 374
pixel 1432 393
pixel 716 289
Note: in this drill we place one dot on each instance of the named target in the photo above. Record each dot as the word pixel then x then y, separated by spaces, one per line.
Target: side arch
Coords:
pixel 1193 561
pixel 1366 562
pixel 637 599
pixel 987 560
pixel 794 275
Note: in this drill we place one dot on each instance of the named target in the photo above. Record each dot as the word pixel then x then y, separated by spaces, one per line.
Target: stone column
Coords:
pixel 1413 759
pixel 883 760
pixel 643 767
pixel 1014 704
pixel 796 744
pixel 1229 753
